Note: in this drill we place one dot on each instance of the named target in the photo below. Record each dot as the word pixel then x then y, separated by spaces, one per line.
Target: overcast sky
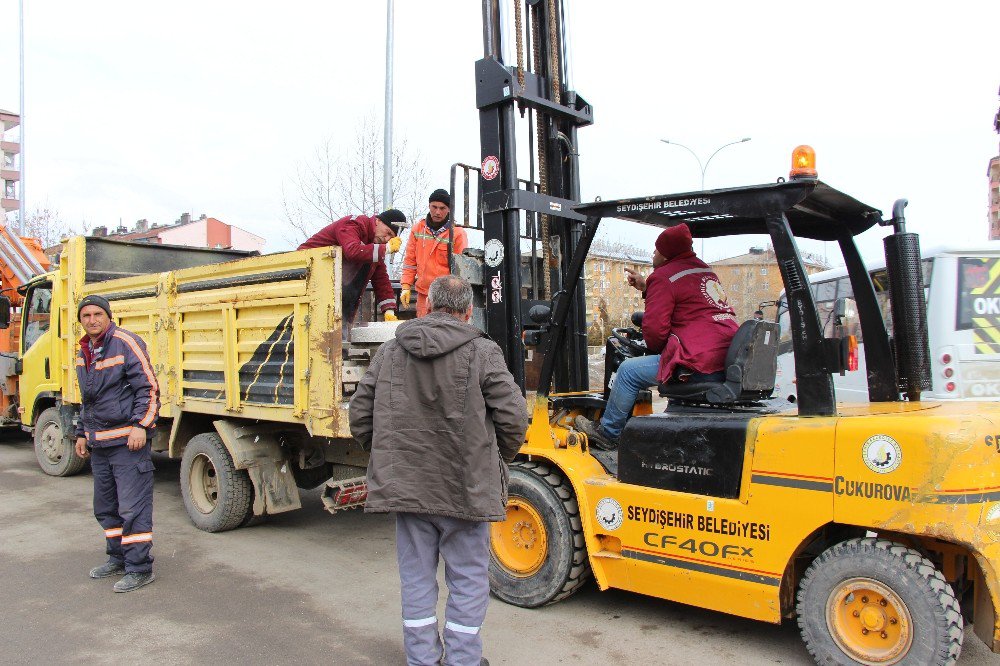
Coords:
pixel 147 110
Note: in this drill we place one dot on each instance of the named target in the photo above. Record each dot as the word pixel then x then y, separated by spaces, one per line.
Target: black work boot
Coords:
pixel 595 434
pixel 108 569
pixel 133 581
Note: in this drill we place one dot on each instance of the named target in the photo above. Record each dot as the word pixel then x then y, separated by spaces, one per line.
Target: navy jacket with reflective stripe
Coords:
pixel 119 389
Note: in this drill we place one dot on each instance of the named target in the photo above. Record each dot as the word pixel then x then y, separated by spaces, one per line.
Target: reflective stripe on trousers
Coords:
pixel 464 547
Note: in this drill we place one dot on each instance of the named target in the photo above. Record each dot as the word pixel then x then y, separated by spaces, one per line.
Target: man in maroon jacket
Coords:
pixel 688 326
pixel 364 242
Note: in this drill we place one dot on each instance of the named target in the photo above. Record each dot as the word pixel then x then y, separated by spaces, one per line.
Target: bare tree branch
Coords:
pixel 45 224
pixel 334 182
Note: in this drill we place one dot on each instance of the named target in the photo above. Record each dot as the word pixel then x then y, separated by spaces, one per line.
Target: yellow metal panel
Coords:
pixel 231 371
pixel 300 370
pixel 929 472
pixel 194 322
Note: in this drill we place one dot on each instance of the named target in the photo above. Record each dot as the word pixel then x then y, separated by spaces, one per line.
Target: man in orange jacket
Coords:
pixel 426 255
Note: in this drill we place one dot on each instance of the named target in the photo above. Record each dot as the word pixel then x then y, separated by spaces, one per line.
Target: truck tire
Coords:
pixel 307 479
pixel 251 519
pixel 217 496
pixel 872 601
pixel 56 454
pixel 537 554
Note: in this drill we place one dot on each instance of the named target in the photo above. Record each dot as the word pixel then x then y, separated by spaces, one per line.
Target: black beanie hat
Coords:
pixel 394 218
pixel 440 196
pixel 93 299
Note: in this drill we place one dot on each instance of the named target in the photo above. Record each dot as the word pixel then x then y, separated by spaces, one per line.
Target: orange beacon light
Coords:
pixel 803 163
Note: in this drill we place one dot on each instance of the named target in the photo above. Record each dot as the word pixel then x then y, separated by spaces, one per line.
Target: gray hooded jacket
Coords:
pixel 442 417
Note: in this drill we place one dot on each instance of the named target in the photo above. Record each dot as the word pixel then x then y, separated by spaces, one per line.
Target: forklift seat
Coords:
pixel 751 366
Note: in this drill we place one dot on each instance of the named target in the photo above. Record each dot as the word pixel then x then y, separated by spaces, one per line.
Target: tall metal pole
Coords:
pixel 387 139
pixel 20 192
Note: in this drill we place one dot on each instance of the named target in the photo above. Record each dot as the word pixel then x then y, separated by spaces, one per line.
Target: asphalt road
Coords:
pixel 306 588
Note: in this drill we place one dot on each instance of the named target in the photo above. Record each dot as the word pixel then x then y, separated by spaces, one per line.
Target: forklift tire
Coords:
pixel 537 554
pixel 217 496
pixel 54 451
pixel 872 601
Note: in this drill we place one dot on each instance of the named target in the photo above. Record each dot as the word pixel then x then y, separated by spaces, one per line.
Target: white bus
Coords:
pixel 962 285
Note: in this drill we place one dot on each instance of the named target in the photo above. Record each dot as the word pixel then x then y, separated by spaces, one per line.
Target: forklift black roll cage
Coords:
pixel 783 211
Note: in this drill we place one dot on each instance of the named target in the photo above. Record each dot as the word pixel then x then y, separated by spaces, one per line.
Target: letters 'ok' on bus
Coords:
pixel 963 318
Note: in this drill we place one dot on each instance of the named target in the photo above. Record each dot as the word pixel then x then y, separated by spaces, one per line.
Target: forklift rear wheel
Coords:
pixel 55 453
pixel 537 554
pixel 217 496
pixel 875 602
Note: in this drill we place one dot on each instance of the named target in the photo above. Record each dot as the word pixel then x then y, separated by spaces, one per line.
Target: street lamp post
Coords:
pixel 704 167
pixel 387 129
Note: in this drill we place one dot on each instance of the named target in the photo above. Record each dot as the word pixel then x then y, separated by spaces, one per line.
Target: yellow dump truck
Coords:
pixel 254 378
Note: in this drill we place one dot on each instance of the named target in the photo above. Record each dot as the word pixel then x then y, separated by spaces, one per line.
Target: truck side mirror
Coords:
pixel 5 312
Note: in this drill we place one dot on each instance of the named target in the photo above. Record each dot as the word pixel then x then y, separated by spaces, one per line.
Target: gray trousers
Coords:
pixel 464 546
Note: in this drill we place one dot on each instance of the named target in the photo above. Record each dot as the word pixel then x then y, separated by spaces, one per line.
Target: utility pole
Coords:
pixel 20 190
pixel 387 139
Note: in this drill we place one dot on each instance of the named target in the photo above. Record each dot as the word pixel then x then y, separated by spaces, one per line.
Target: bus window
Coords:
pixel 826 291
pixel 785 327
pixel 978 293
pixel 844 289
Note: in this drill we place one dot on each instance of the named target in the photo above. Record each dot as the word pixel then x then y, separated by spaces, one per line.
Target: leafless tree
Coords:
pixel 339 181
pixel 45 224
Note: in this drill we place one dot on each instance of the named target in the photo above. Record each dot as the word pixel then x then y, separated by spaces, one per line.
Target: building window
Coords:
pixel 763 271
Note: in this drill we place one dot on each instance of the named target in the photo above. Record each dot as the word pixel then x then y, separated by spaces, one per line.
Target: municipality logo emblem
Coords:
pixel 881 454
pixel 609 514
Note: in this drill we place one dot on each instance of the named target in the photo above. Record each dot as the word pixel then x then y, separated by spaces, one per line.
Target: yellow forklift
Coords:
pixel 876 525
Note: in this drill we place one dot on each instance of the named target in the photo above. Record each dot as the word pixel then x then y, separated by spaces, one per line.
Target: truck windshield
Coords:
pixel 36 315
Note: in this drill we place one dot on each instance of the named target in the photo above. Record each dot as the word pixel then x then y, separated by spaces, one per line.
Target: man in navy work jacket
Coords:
pixel 117 418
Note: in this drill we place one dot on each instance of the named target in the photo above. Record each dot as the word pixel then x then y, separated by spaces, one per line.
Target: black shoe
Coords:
pixel 108 569
pixel 134 581
pixel 483 662
pixel 596 435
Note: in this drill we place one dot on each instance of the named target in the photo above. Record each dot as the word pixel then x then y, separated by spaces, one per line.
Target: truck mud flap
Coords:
pixel 256 449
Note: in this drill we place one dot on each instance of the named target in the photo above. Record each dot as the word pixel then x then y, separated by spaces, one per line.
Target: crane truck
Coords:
pixel 21 258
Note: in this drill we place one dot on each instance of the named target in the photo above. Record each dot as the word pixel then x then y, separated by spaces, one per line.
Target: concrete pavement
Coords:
pixel 305 587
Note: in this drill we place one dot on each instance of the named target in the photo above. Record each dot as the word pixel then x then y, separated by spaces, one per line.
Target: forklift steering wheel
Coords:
pixel 631 339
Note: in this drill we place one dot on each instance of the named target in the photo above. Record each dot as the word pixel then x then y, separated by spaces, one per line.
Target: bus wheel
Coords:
pixel 537 554
pixel 875 602
pixel 55 452
pixel 217 496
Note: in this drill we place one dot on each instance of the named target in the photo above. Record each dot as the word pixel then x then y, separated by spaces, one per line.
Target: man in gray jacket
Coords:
pixel 442 417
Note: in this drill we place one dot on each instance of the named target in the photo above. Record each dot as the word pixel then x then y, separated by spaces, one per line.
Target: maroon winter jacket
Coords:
pixel 688 318
pixel 363 261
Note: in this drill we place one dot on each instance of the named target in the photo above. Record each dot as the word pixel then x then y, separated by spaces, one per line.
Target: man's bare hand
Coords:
pixel 136 438
pixel 81 447
pixel 635 279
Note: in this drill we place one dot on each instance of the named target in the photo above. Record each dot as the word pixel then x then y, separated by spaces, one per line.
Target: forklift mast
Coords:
pixel 527 257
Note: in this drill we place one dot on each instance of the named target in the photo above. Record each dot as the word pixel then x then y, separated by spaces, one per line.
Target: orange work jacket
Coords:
pixel 426 256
